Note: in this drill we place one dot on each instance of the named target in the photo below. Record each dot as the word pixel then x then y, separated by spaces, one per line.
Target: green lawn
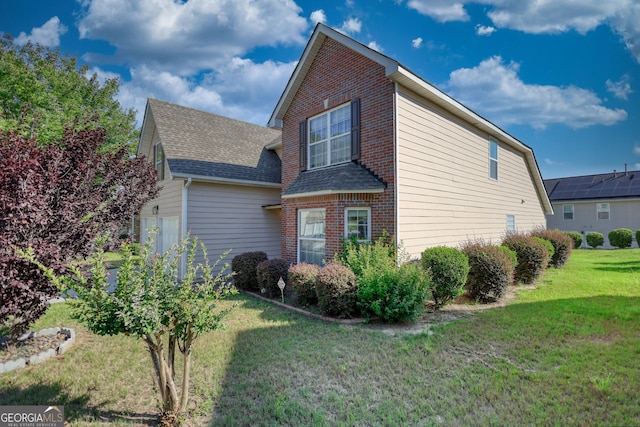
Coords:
pixel 566 353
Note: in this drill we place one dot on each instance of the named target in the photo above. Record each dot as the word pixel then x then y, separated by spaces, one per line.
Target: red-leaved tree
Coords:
pixel 57 198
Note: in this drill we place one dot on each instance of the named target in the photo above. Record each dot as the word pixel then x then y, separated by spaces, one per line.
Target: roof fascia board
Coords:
pixel 145 121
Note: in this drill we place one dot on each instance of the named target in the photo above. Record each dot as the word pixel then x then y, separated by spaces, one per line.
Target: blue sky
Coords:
pixel 562 76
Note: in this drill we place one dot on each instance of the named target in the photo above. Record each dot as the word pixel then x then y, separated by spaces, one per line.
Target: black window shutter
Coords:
pixel 355 129
pixel 303 146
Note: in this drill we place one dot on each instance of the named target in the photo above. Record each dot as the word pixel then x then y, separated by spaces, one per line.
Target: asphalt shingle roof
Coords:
pixel 205 144
pixel 346 177
pixel 618 185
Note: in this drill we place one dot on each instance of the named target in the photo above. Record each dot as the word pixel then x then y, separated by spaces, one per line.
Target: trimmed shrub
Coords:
pixel 562 244
pixel 621 238
pixel 595 239
pixel 532 254
pixel 549 247
pixel 244 270
pixel 513 257
pixel 337 291
pixel 302 278
pixel 268 273
pixel 576 237
pixel 448 269
pixel 395 293
pixel 638 237
pixel 490 271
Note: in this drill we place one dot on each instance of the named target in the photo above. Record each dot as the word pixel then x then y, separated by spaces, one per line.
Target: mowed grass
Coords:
pixel 566 353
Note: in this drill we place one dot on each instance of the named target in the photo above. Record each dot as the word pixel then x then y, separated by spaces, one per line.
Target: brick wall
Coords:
pixel 340 75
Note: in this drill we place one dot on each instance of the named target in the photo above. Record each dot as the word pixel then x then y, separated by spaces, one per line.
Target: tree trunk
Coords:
pixel 188 345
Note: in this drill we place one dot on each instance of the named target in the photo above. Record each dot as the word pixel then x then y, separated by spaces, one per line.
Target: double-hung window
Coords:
pixel 357 223
pixel 493 159
pixel 567 211
pixel 158 160
pixel 604 210
pixel 330 137
pixel 311 236
pixel 511 223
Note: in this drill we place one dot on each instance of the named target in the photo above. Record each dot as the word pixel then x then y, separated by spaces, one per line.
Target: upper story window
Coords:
pixel 330 137
pixel 567 211
pixel 158 160
pixel 493 159
pixel 604 210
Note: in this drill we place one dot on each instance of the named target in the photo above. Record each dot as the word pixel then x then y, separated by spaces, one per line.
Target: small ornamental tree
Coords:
pixel 150 304
pixel 57 198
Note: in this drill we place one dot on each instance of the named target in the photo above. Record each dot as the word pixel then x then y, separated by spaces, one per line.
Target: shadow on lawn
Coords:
pixel 76 409
pixel 618 267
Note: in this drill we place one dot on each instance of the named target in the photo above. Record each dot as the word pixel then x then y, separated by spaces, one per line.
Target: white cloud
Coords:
pixel 242 89
pixel 47 35
pixel 516 102
pixel 550 162
pixel 318 16
pixel 620 89
pixel 636 150
pixel 546 16
pixel 351 26
pixel 375 46
pixel 482 30
pixel 440 10
pixel 186 37
pixel 417 43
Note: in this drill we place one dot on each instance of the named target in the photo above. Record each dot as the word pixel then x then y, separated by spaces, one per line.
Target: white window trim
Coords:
pixel 492 159
pixel 573 212
pixel 329 137
pixel 299 237
pixel 346 221
pixel 608 211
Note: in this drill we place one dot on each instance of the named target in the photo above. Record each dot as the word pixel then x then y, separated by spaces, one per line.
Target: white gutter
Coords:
pixel 216 180
pixel 185 204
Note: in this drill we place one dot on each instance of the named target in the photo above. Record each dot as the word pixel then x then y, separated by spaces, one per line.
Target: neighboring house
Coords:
pixel 369 146
pixel 599 203
pixel 218 180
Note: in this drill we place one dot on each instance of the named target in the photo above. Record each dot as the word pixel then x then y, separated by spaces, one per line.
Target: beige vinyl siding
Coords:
pixel 169 201
pixel 232 217
pixel 622 214
pixel 445 195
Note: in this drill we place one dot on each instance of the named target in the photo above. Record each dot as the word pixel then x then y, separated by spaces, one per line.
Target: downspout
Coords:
pixel 396 192
pixel 185 204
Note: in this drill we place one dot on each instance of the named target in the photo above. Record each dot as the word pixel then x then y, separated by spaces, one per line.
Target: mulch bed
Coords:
pixel 30 346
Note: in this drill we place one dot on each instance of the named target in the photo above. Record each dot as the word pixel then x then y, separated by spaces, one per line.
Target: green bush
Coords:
pixel 562 244
pixel 393 293
pixel 532 254
pixel 268 273
pixel 621 238
pixel 244 270
pixel 490 271
pixel 595 239
pixel 513 257
pixel 638 237
pixel 448 269
pixel 576 237
pixel 302 278
pixel 336 288
pixel 549 247
pixel 361 255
